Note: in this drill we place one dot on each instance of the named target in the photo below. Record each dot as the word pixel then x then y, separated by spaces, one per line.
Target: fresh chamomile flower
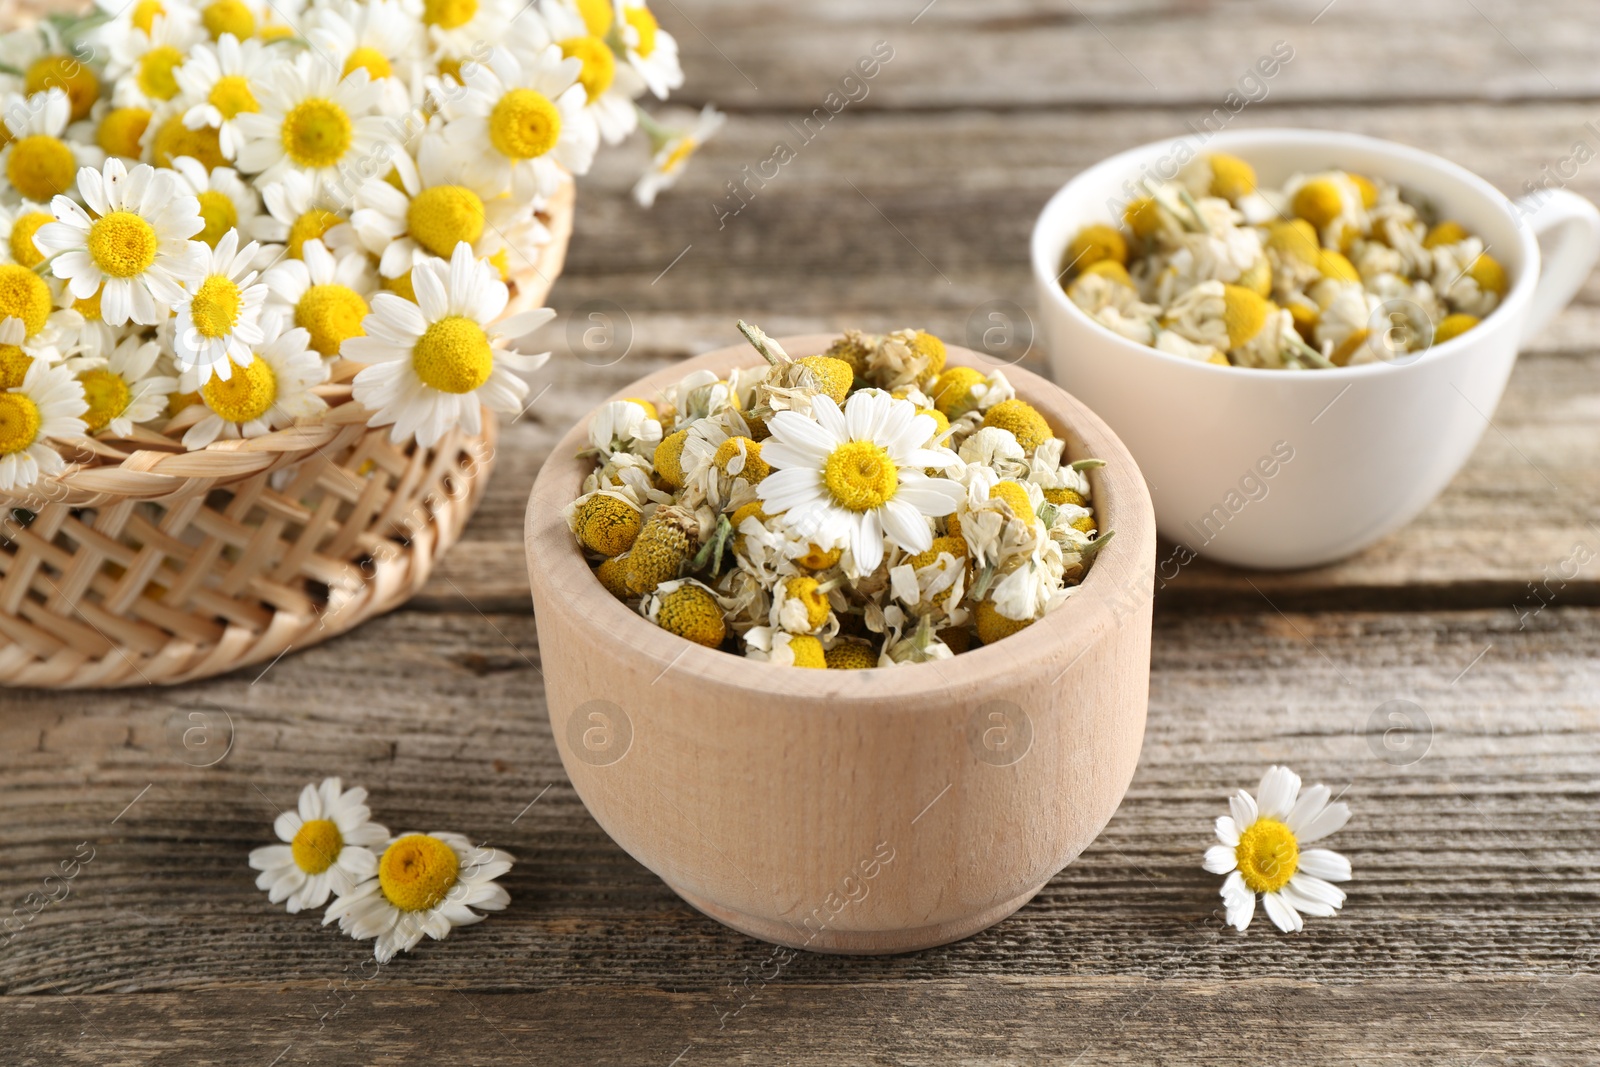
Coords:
pixel 858 474
pixel 610 87
pixel 433 362
pixel 518 125
pixel 327 850
pixel 442 205
pixel 425 884
pixel 1262 852
pixel 132 246
pixel 652 51
pixel 265 394
pixel 45 59
pixel 302 208
pixel 122 391
pixel 46 406
pixel 219 83
pixel 314 121
pixel 18 223
pixel 325 292
pixel 378 36
pixel 673 147
pixel 36 158
pixel 17 353
pixel 457 29
pixel 144 63
pixel 141 15
pixel 218 319
pixel 227 202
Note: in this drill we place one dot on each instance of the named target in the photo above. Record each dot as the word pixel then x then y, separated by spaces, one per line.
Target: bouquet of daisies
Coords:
pixel 214 211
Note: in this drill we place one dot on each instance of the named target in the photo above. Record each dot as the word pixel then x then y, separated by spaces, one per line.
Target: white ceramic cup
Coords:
pixel 1281 469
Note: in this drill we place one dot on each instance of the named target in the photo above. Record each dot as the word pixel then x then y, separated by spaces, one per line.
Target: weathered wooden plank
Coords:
pixel 791 1020
pixel 1476 841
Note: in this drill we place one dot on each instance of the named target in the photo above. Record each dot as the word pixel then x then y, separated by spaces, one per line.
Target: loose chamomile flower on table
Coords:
pixel 672 149
pixel 1262 852
pixel 218 319
pixel 266 393
pixel 124 389
pixel 325 292
pixel 315 122
pixel 424 884
pixel 431 364
pixel 652 51
pixel 328 847
pixel 219 82
pixel 132 246
pixel 36 158
pixel 47 405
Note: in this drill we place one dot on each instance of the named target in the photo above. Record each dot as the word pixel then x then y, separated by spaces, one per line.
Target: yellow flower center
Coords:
pixel 860 476
pixel 693 614
pixel 524 124
pixel 219 214
pixel 1244 313
pixel 122 244
pixel 145 12
pixel 89 306
pixel 597 16
pixel 678 155
pixel 275 32
pixel 441 217
pixel 1268 855
pixel 228 16
pixel 448 14
pixel 599 64
pixel 500 260
pixel 174 139
pixel 156 68
pixel 22 231
pixel 14 364
pixel 449 67
pixel 316 133
pixel 25 296
pixel 417 872
pixel 233 96
pixel 453 356
pixel 312 226
pixel 67 74
pixel 374 62
pixel 40 167
pixel 121 132
pixel 19 423
pixel 330 314
pixel 645 24
pixel 316 845
pixel 108 396
pixel 244 397
pixel 216 305
pixel 1318 202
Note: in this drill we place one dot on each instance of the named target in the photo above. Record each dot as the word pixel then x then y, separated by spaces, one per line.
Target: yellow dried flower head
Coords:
pixel 669 458
pixel 808 592
pixel 659 553
pixel 927 345
pixel 1231 177
pixel 834 376
pixel 1349 347
pixel 694 615
pixel 949 543
pixel 755 468
pixel 992 626
pixel 1489 274
pixel 817 559
pixel 952 391
pixel 1318 202
pixel 1143 216
pixel 849 656
pixel 1258 277
pixel 1022 419
pixel 1448 232
pixel 1110 270
pixel 1365 186
pixel 850 349
pixel 1305 318
pixel 607 524
pixel 1016 498
pixel 1084 524
pixel 808 652
pixel 1453 326
pixel 1093 244
pixel 613 574
pixel 1296 239
pixel 941 424
pixel 957 639
pixel 649 408
pixel 1337 266
pixel 1244 313
pixel 1059 497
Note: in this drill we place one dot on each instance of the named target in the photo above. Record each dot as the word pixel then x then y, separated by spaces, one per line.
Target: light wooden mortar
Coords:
pixel 867 811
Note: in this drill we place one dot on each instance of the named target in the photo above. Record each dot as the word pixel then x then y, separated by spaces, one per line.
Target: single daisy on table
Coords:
pixel 267 393
pixel 652 51
pixel 134 249
pixel 1262 852
pixel 302 208
pixel 122 391
pixel 672 149
pixel 610 88
pixel 425 884
pixel 218 318
pixel 521 122
pixel 226 201
pixel 35 158
pixel 433 362
pixel 46 406
pixel 857 475
pixel 313 121
pixel 327 850
pixel 219 83
pixel 325 293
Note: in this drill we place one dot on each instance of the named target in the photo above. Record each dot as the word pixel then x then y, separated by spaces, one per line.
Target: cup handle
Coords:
pixel 1575 225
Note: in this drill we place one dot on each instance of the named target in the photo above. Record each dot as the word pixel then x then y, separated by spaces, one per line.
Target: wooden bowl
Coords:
pixel 867 811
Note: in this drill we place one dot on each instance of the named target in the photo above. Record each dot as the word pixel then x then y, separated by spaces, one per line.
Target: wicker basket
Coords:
pixel 151 564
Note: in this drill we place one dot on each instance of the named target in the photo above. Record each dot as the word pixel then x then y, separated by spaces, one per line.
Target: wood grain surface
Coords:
pixel 1445 681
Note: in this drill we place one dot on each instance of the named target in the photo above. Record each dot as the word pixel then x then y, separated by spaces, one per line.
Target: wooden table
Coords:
pixel 1470 934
